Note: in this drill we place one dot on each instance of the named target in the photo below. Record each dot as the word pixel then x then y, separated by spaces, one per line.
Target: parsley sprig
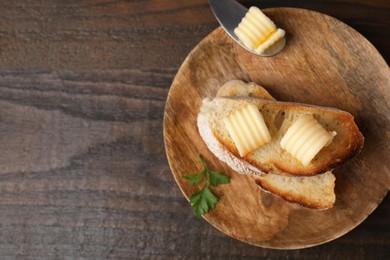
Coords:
pixel 204 200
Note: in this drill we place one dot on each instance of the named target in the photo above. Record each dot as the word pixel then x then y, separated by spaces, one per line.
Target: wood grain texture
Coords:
pixel 343 70
pixel 83 85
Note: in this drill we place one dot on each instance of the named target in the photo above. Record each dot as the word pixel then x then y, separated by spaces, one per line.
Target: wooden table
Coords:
pixel 83 168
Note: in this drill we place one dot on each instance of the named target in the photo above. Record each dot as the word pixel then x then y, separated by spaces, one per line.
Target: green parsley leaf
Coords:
pixel 193 179
pixel 203 201
pixel 217 178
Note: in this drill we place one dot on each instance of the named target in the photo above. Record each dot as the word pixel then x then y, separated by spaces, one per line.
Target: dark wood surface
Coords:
pixel 83 169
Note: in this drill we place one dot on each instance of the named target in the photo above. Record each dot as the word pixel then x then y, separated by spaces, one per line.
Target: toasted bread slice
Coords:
pixel 279 116
pixel 239 88
pixel 316 192
pixel 293 189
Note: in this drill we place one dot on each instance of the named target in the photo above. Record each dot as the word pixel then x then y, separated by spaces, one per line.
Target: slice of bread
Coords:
pixel 279 116
pixel 316 192
pixel 293 189
pixel 239 88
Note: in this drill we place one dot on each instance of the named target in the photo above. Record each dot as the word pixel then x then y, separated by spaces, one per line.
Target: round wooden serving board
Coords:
pixel 325 63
